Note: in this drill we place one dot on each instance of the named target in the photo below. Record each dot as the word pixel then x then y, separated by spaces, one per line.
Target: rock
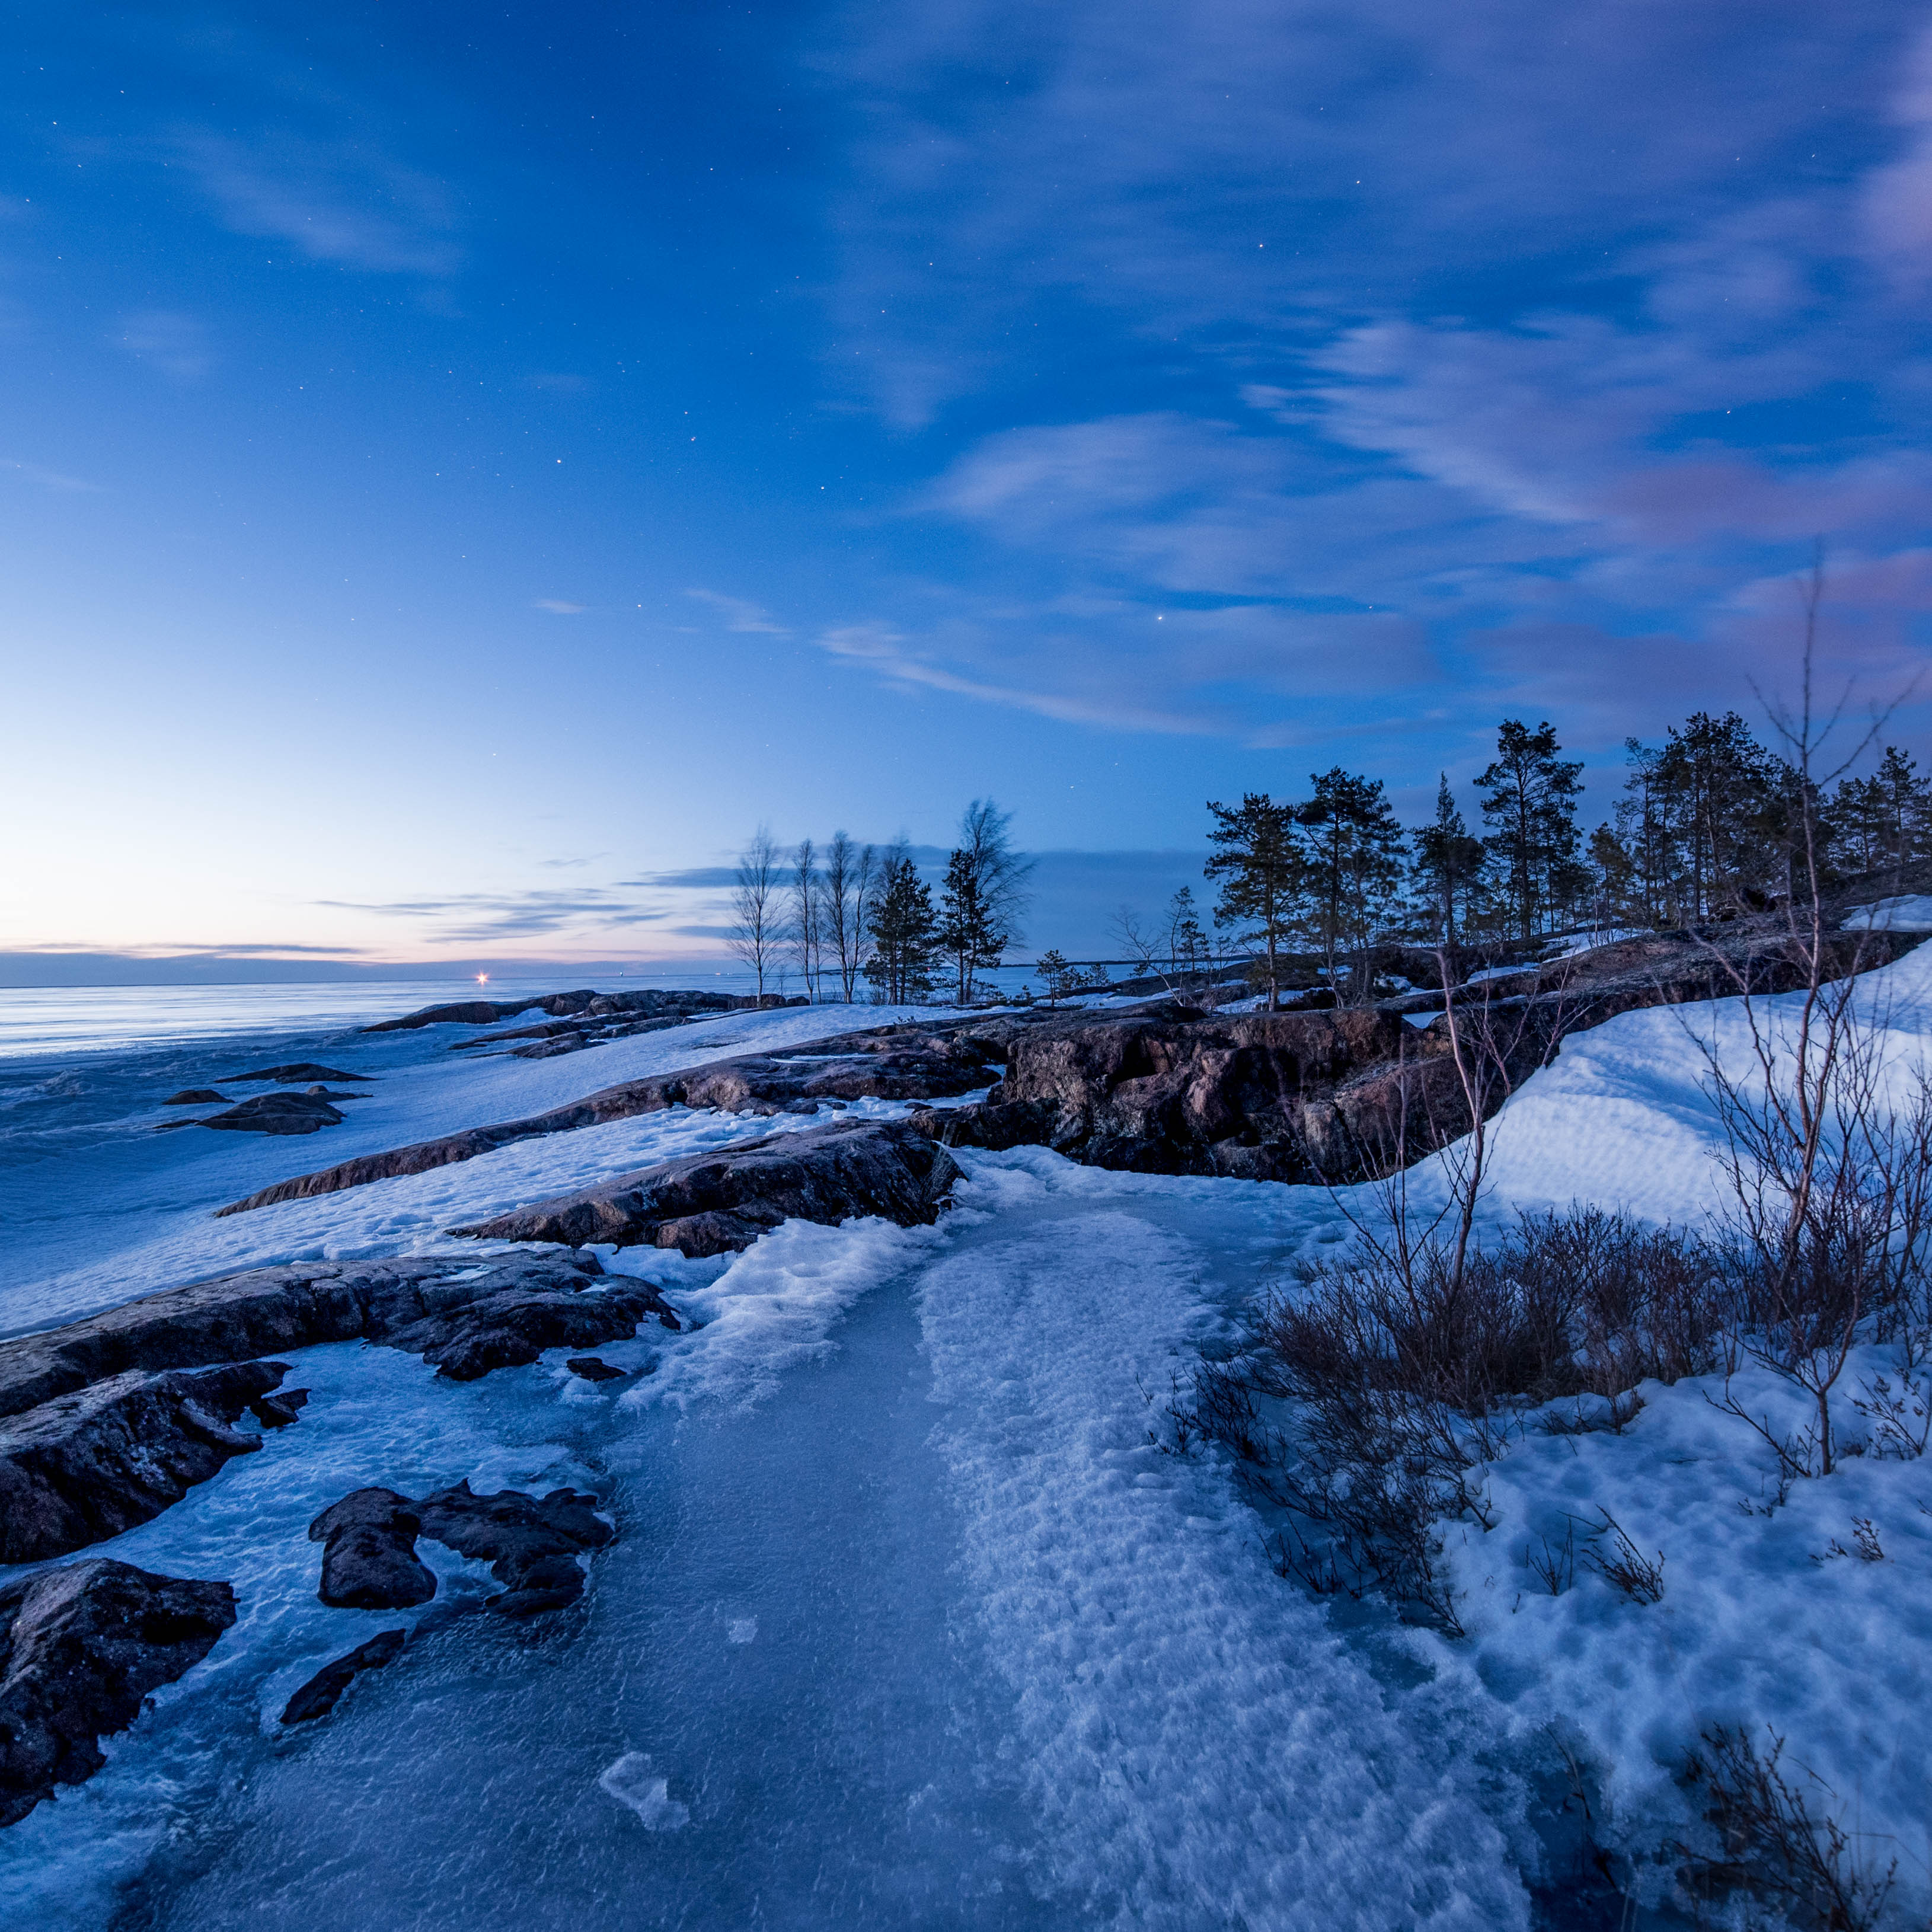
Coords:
pixel 369 1560
pixel 278 1411
pixel 899 1062
pixel 507 1330
pixel 532 1547
pixel 717 1203
pixel 277 1114
pixel 592 1370
pixel 88 1464
pixel 417 1303
pixel 322 1693
pixel 298 1071
pixel 197 1096
pixel 80 1646
pixel 640 1003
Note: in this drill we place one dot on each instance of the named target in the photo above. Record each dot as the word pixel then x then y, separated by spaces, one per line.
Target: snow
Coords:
pixel 1910 912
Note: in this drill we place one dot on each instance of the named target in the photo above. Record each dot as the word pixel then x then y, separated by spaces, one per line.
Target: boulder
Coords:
pixel 197 1096
pixel 420 1304
pixel 298 1072
pixel 88 1464
pixel 592 1370
pixel 531 1545
pixel 80 1647
pixel 718 1203
pixel 277 1114
pixel 323 1691
pixel 369 1559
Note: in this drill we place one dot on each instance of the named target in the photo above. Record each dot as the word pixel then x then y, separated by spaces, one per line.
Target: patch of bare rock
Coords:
pixel 714 1204
pixel 323 1691
pixel 896 1063
pixel 531 1543
pixel 80 1648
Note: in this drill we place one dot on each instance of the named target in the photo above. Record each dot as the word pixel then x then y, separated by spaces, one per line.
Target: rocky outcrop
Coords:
pixel 369 1559
pixel 1262 1096
pixel 297 1073
pixel 593 1370
pixel 323 1691
pixel 532 1545
pixel 197 1096
pixel 87 1465
pixel 641 1004
pixel 277 1114
pixel 460 1316
pixel 718 1203
pixel 80 1647
pixel 900 1062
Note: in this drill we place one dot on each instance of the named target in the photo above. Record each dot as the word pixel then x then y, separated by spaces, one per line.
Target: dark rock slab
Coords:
pixel 277 1114
pixel 718 1203
pixel 593 1370
pixel 369 1559
pixel 532 1545
pixel 323 1691
pixel 298 1072
pixel 88 1464
pixel 197 1096
pixel 898 1062
pixel 80 1646
pixel 639 1002
pixel 278 1411
pixel 417 1303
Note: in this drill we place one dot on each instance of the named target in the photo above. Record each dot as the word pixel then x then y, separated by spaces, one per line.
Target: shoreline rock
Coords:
pixel 80 1647
pixel 86 1465
pixel 323 1691
pixel 721 1202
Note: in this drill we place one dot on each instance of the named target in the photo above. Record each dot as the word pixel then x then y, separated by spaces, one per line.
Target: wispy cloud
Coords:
pixel 558 608
pixel 341 199
pixel 740 614
pixel 485 918
pixel 165 339
pixel 44 479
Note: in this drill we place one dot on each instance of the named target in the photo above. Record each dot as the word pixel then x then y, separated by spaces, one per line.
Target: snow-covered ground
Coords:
pixel 1910 912
pixel 911 1620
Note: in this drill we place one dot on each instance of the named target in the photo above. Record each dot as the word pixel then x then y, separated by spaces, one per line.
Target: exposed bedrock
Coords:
pixel 431 1305
pixel 323 1691
pixel 899 1062
pixel 88 1464
pixel 369 1559
pixel 298 1073
pixel 714 1203
pixel 279 1114
pixel 640 1003
pixel 80 1646
pixel 531 1543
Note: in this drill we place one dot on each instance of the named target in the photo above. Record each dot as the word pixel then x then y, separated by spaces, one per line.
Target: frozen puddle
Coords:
pixel 915 1629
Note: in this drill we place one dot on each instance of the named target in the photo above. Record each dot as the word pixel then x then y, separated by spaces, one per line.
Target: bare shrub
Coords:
pixel 1624 1566
pixel 1409 1372
pixel 1779 1842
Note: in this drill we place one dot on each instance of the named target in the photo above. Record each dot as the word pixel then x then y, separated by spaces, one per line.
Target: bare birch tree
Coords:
pixel 806 887
pixel 754 932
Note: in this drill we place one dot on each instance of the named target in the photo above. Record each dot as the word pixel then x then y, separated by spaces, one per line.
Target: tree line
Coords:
pixel 847 913
pixel 1711 823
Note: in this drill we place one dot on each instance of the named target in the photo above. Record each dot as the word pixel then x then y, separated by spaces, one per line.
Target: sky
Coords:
pixel 461 470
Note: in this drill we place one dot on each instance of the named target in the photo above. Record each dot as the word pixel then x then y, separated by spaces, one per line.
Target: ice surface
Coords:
pixel 630 1782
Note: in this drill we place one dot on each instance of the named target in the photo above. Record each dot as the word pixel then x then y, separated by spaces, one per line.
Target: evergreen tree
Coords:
pixel 1881 823
pixel 1187 948
pixel 1529 802
pixel 1351 863
pixel 1059 978
pixel 968 930
pixel 1258 863
pixel 901 927
pixel 1448 876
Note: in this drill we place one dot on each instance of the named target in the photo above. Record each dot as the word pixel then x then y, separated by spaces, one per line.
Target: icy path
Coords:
pixel 912 1623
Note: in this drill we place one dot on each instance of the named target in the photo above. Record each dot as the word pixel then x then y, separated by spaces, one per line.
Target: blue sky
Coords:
pixel 463 469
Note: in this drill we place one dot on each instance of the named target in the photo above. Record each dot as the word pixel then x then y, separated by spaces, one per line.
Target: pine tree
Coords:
pixel 1059 978
pixel 901 927
pixel 1529 801
pixel 1258 864
pixel 1187 949
pixel 968 930
pixel 1448 872
pixel 1351 863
